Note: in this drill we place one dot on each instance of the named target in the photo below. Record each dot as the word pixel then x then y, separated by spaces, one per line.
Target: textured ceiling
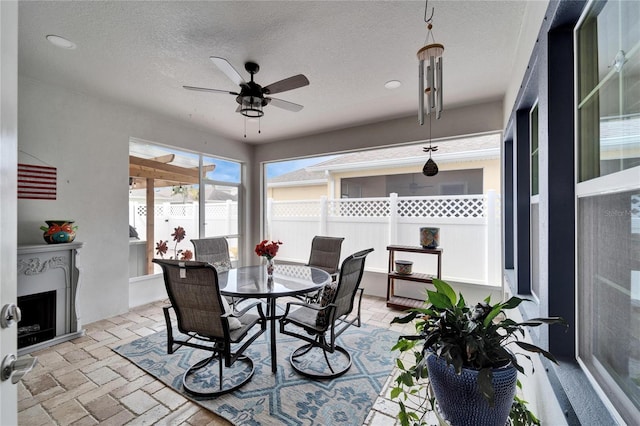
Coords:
pixel 142 53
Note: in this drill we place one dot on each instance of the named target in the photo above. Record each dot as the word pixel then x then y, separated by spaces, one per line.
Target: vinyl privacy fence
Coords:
pixel 469 231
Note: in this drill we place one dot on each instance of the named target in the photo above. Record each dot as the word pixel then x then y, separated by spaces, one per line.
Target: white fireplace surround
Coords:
pixel 47 267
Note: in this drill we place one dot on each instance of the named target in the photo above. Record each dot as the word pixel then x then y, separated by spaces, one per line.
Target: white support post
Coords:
pixel 493 252
pixel 269 218
pixel 195 214
pixel 393 218
pixel 322 229
pixel 228 217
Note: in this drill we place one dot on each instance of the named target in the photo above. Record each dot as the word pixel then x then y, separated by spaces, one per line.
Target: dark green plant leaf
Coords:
pixel 405 319
pixel 405 378
pixel 513 302
pixel 444 288
pixel 492 314
pixel 461 302
pixel 439 300
pixel 395 392
pixel 534 322
pixel 533 348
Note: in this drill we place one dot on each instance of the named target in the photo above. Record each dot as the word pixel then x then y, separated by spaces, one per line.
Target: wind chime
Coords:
pixel 430 69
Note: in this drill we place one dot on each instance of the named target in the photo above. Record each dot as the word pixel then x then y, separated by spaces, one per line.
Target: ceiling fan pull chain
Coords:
pixel 245 127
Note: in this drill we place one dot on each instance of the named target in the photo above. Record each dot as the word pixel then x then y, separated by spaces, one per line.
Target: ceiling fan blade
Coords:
pixel 287 84
pixel 289 106
pixel 228 69
pixel 204 89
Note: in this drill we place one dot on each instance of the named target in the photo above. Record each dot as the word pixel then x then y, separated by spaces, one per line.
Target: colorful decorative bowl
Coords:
pixel 403 267
pixel 59 231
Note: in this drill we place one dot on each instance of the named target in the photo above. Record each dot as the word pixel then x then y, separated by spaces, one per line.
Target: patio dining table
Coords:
pixel 251 282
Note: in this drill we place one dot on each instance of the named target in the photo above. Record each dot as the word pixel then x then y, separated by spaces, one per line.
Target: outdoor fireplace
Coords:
pixel 38 323
pixel 47 289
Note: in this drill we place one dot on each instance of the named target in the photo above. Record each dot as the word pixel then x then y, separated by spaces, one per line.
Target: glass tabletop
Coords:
pixel 288 280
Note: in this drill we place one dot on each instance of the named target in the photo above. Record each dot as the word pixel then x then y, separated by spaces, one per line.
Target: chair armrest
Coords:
pixel 313 307
pixel 244 310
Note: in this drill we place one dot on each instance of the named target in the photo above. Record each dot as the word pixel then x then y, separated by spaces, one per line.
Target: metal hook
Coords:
pixel 426 7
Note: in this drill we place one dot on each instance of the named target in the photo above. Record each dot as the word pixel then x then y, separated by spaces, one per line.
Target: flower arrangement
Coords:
pixel 178 235
pixel 268 249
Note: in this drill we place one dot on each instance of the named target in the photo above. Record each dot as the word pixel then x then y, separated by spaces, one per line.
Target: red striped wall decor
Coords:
pixel 37 182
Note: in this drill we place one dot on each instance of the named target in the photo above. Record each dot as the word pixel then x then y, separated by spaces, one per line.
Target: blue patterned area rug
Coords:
pixel 284 398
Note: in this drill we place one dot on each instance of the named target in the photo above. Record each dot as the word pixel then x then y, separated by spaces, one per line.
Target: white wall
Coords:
pixel 87 140
pixel 531 23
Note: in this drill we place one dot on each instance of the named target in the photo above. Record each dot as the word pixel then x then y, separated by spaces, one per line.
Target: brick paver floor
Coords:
pixel 83 382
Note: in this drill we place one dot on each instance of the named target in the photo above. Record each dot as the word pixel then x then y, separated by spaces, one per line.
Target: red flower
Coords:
pixel 187 255
pixel 161 248
pixel 268 249
pixel 178 234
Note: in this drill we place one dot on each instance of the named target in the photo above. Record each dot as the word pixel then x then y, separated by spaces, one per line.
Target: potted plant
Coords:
pixel 464 363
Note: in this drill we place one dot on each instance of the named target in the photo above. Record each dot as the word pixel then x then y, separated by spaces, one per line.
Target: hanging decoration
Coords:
pixel 430 57
pixel 430 167
pixel 430 63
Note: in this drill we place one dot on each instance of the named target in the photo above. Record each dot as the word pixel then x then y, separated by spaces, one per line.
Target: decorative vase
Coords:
pixel 270 265
pixel 429 237
pixel 459 398
pixel 59 231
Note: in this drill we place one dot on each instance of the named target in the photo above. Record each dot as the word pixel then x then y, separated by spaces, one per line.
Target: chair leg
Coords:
pixel 167 320
pixel 241 374
pixel 306 368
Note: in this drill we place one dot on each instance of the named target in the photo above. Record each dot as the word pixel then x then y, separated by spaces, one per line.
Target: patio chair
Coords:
pixel 205 323
pixel 325 254
pixel 320 324
pixel 213 250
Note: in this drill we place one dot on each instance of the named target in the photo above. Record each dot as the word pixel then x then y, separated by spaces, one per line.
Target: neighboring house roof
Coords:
pixel 465 149
pixel 304 176
pixel 460 149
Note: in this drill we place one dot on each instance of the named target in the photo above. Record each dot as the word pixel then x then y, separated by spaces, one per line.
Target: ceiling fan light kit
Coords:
pixel 251 99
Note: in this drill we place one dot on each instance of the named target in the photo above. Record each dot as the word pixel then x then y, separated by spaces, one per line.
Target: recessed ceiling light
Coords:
pixel 392 84
pixel 61 42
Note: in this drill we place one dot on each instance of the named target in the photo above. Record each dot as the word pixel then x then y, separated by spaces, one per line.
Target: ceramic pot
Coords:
pixel 403 267
pixel 460 400
pixel 429 237
pixel 59 231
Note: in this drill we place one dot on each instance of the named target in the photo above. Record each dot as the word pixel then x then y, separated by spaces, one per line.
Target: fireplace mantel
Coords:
pixel 46 267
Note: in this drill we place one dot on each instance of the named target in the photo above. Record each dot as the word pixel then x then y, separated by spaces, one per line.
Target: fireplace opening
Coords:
pixel 38 323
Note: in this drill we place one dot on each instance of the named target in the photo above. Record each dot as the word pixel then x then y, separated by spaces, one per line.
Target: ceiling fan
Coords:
pixel 253 97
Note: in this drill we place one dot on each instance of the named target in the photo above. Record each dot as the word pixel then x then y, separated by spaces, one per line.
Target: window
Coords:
pixel 608 208
pixel 534 150
pixel 535 206
pixel 608 43
pixel 173 185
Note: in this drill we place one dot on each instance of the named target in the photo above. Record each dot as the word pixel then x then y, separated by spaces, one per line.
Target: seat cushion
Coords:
pixel 221 265
pixel 326 298
pixel 234 323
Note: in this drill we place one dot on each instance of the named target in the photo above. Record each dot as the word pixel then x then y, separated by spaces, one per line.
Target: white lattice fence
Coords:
pixel 469 229
pixel 296 208
pixel 361 207
pixel 459 206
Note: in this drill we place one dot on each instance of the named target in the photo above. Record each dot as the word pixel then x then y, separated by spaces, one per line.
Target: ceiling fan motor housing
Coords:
pixel 251 98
